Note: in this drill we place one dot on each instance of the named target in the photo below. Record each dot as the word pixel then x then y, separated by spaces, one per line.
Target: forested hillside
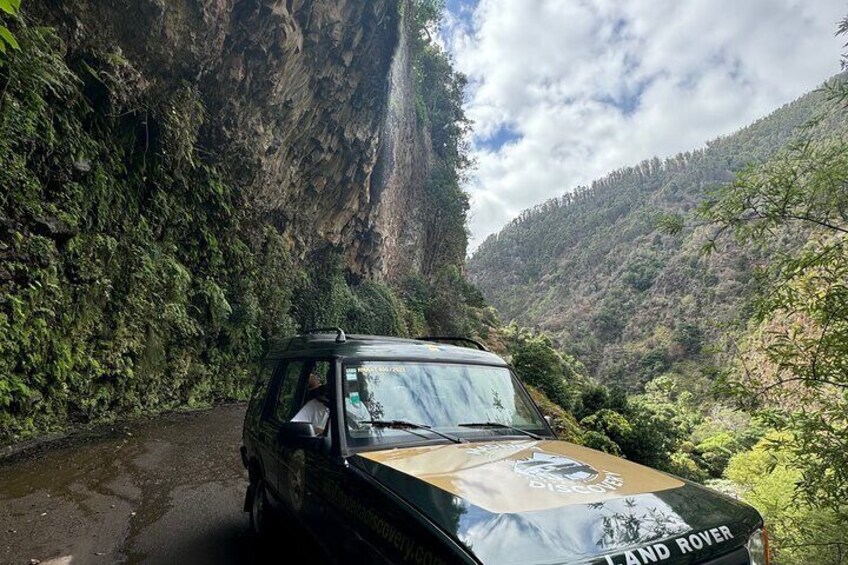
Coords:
pixel 595 268
pixel 698 310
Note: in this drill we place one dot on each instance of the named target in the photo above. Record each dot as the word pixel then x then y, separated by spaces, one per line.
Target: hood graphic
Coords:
pixel 554 467
pixel 522 476
pixel 555 502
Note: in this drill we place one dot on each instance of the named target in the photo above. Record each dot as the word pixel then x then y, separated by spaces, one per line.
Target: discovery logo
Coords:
pixel 561 474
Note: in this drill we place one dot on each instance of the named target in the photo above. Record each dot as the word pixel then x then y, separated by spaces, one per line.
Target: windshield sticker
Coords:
pixel 368 369
pixel 565 475
pixel 350 374
pixel 354 398
pixel 683 545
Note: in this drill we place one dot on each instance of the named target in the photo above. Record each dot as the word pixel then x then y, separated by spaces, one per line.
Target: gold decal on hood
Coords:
pixel 523 476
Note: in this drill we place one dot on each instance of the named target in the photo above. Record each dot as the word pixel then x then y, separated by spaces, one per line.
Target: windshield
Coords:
pixel 445 397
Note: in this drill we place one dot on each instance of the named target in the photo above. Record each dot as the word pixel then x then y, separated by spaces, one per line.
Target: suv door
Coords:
pixel 302 467
pixel 278 410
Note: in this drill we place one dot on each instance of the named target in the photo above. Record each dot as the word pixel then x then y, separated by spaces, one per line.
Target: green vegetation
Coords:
pixel 8 10
pixel 712 288
pixel 667 426
pixel 136 276
pixel 800 532
pixel 554 374
pixel 439 89
pixel 129 281
pixel 600 272
pixel 324 294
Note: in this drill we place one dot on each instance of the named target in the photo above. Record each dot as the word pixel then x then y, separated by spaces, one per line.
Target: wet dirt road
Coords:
pixel 167 490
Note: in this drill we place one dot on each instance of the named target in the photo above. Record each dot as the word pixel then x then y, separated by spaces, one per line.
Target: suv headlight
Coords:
pixel 758 548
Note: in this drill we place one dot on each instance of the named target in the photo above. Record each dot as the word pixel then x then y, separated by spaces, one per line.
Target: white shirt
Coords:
pixel 314 412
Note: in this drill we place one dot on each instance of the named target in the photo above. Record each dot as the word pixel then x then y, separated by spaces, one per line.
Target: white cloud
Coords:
pixel 594 85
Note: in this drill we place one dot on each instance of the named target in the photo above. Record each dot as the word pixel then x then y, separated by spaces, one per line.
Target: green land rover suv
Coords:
pixel 421 451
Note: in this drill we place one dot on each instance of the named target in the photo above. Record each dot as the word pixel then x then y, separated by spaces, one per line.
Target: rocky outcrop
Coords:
pixel 397 219
pixel 184 181
pixel 308 107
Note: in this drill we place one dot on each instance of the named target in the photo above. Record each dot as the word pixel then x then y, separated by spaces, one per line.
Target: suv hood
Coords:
pixel 555 502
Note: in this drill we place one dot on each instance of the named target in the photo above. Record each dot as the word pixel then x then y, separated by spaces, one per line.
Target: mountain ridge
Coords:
pixel 593 268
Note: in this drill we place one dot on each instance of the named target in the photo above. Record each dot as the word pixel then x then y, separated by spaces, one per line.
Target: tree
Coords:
pixel 800 533
pixel 8 8
pixel 794 363
pixel 539 365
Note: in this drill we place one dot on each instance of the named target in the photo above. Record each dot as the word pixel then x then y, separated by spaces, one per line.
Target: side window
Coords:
pixel 283 408
pixel 260 391
pixel 315 383
pixel 322 371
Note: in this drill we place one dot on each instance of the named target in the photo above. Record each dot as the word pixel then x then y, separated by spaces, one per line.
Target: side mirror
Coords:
pixel 298 435
pixel 550 421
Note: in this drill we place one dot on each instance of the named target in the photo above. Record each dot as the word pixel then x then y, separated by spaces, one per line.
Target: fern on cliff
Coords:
pixel 8 9
pixel 131 277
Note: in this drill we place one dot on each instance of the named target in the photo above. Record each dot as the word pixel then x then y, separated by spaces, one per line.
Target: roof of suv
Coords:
pixel 379 348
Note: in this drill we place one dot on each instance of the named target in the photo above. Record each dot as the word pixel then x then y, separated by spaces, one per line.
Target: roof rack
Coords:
pixel 479 345
pixel 340 335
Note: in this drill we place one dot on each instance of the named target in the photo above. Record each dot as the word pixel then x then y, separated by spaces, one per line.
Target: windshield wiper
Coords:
pixel 499 425
pixel 404 425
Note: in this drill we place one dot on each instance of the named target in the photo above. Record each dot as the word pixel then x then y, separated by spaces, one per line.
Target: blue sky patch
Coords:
pixel 461 8
pixel 629 101
pixel 501 136
pixel 563 91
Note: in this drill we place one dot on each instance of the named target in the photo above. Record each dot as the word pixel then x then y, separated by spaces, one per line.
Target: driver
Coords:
pixel 316 411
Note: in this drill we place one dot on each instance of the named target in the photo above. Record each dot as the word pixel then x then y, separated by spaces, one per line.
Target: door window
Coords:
pixel 259 397
pixel 283 408
pixel 315 382
pixel 313 401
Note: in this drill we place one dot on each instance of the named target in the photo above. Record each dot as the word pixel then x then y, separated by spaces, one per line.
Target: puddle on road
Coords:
pixel 92 499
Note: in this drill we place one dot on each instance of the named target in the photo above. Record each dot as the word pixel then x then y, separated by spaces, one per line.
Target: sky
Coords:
pixel 562 92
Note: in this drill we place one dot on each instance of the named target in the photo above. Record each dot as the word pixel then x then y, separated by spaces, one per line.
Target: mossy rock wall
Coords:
pixel 133 275
pixel 182 182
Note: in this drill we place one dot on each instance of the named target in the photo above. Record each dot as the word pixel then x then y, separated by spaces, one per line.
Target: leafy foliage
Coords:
pixel 9 9
pixel 541 366
pixel 323 297
pixel 129 280
pixel 445 303
pixel 657 428
pixel 800 532
pixel 794 360
pixel 563 423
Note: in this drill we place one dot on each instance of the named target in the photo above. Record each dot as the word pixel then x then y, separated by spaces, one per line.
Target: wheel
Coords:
pixel 260 511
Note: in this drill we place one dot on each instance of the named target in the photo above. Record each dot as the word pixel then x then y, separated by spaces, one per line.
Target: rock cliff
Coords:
pixel 183 181
pixel 309 107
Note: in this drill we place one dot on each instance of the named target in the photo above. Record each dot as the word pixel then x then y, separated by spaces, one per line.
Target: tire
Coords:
pixel 260 510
